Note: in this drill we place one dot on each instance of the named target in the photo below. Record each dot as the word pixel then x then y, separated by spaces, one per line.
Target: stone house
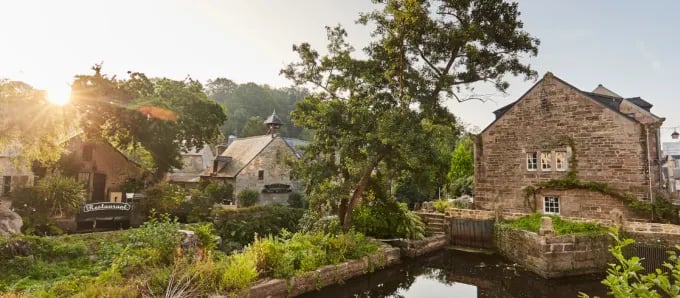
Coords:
pixel 102 169
pixel 259 163
pixel 556 131
pixel 195 161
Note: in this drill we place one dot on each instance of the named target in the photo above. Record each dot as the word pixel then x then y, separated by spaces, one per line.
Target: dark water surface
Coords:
pixel 451 273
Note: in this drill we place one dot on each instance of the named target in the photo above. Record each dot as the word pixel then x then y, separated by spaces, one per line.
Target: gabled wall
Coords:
pixel 271 160
pixel 608 147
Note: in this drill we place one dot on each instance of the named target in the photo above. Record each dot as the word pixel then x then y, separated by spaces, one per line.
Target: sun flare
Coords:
pixel 59 95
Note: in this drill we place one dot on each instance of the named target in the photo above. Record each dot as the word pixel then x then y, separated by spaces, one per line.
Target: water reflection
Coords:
pixel 460 274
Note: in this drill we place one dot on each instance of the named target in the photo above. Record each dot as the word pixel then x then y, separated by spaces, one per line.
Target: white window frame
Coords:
pixel 565 162
pixel 546 166
pixel 532 160
pixel 551 205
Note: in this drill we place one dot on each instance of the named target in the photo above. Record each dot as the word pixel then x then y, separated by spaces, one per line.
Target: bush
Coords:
pixel 219 192
pixel 248 198
pixel 54 195
pixel 163 198
pixel 387 219
pixel 296 200
pixel 441 205
pixel 562 227
pixel 291 254
pixel 238 227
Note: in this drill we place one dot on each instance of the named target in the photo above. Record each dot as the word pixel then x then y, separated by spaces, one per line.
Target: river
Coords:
pixel 452 273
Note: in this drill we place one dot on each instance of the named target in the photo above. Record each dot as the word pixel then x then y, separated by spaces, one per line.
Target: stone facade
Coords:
pixel 101 162
pixel 255 163
pixel 554 256
pixel 601 144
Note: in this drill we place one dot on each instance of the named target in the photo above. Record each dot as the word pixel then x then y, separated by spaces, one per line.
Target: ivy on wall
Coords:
pixel 661 209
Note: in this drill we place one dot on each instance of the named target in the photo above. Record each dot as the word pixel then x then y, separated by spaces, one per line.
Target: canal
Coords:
pixel 452 273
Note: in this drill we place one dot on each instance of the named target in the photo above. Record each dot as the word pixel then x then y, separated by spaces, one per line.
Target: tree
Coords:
pixel 30 126
pixel 462 167
pixel 162 116
pixel 372 112
pixel 253 127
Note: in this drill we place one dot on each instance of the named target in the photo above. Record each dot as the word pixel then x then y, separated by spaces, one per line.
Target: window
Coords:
pixel 260 175
pixel 6 184
pixel 532 161
pixel 546 161
pixel 87 153
pixel 551 205
pixel 560 160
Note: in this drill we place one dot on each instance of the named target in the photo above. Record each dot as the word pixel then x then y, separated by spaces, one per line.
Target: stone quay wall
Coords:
pixel 416 248
pixel 554 256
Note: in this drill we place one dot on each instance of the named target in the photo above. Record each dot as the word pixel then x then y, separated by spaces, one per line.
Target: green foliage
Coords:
pixel 442 205
pixel 315 222
pixel 421 53
pixel 291 254
pixel 219 191
pixel 154 243
pixel 206 236
pixel 625 278
pixel 562 227
pixel 248 198
pixel 249 104
pixel 41 136
pixel 151 114
pixel 296 200
pixel 461 173
pixel 163 198
pixel 388 219
pixel 64 195
pixel 238 227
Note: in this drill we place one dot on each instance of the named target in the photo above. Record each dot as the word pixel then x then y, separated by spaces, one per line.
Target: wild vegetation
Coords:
pixel 151 261
pixel 562 226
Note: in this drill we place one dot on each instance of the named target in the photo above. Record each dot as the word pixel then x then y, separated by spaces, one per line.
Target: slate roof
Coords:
pixel 242 151
pixel 610 102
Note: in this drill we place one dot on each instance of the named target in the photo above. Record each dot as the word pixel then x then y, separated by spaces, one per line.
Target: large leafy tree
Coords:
pixel 160 116
pixel 369 112
pixel 31 128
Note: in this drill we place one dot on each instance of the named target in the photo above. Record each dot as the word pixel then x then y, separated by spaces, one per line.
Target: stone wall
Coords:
pixel 272 160
pixel 416 248
pixel 653 233
pixel 324 276
pixel 554 256
pixel 608 147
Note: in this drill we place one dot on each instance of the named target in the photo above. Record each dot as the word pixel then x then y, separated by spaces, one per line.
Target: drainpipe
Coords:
pixel 649 165
pixel 659 156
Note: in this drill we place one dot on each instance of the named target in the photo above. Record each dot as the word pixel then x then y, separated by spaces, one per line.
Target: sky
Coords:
pixel 628 46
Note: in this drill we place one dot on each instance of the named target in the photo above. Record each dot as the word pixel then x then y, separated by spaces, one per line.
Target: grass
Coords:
pixel 562 227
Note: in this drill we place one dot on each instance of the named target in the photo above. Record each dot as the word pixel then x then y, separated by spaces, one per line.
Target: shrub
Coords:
pixel 237 227
pixel 248 198
pixel 296 200
pixel 64 195
pixel 219 192
pixel 441 205
pixel 291 254
pixel 387 219
pixel 562 227
pixel 163 198
pixel 225 274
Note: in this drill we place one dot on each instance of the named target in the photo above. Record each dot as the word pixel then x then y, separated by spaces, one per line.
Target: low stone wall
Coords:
pixel 324 276
pixel 554 256
pixel 653 233
pixel 416 248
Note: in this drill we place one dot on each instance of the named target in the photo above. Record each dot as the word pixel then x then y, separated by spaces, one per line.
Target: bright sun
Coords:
pixel 59 95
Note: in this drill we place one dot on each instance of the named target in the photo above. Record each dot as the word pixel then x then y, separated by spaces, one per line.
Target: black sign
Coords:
pixel 106 206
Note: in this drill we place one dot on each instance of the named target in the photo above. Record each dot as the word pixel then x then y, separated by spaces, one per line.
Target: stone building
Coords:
pixel 102 169
pixel 555 131
pixel 195 162
pixel 259 163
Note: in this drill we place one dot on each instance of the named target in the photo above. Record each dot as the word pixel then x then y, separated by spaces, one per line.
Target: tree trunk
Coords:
pixel 346 216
